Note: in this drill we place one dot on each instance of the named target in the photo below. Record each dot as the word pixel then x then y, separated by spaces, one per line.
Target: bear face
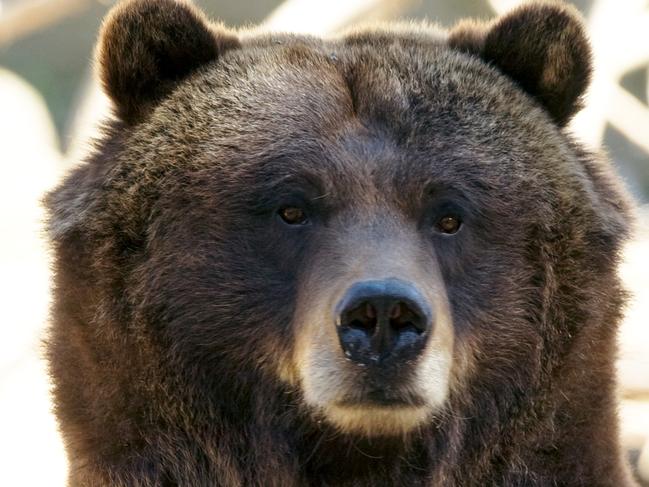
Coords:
pixel 368 238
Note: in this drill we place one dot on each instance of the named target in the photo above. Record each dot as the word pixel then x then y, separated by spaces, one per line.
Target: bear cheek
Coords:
pixel 317 362
pixel 438 371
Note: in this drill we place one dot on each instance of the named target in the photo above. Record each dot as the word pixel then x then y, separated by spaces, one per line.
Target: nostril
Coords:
pixel 403 318
pixel 395 312
pixel 370 311
pixel 362 317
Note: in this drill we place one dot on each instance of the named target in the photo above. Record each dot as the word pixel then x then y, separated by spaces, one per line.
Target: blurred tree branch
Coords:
pixel 322 18
pixel 30 16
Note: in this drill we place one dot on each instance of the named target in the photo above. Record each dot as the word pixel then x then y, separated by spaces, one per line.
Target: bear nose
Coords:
pixel 383 321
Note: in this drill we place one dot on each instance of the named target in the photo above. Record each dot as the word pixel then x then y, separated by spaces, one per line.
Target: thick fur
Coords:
pixel 148 46
pixel 183 306
pixel 544 49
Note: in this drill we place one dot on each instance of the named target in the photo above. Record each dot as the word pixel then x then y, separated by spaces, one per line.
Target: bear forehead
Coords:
pixel 411 106
pixel 305 83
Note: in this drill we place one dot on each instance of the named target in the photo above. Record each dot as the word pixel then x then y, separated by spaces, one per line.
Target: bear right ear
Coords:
pixel 541 46
pixel 147 47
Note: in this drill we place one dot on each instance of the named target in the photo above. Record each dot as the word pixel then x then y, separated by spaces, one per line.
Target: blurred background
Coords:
pixel 50 106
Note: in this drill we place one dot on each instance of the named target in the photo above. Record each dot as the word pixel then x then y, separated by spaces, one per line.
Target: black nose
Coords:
pixel 381 321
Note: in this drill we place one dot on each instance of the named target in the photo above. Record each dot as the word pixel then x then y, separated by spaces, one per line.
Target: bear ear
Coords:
pixel 542 47
pixel 147 46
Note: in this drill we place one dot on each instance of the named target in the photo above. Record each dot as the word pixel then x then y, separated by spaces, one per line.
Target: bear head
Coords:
pixel 366 233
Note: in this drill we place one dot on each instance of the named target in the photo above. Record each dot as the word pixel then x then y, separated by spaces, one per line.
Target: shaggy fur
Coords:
pixel 188 317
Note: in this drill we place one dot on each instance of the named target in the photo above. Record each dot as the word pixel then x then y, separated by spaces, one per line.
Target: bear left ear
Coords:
pixel 147 47
pixel 542 47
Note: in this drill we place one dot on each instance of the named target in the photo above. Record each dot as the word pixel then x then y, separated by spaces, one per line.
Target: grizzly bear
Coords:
pixel 375 259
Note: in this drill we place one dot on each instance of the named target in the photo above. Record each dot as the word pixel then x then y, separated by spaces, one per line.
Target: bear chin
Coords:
pixel 377 420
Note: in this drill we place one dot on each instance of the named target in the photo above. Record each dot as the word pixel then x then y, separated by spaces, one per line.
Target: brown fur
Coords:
pixel 543 49
pixel 145 51
pixel 184 308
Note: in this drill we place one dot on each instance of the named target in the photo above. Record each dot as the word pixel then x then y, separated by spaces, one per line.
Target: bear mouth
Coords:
pixel 382 398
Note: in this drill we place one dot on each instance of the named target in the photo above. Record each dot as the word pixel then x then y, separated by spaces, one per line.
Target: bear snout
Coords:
pixel 375 348
pixel 382 323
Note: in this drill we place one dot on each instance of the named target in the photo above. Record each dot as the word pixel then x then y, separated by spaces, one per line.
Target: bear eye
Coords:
pixel 449 224
pixel 293 215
